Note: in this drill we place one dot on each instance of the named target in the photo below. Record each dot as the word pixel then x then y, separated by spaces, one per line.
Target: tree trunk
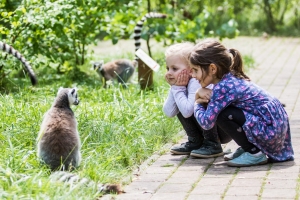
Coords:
pixel 148 46
pixel 269 15
pixel 149 6
pixel 285 6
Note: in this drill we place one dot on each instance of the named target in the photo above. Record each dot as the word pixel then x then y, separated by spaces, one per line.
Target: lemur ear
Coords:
pixel 73 91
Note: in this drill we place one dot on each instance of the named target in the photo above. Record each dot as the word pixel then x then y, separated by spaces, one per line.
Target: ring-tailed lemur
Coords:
pixel 138 28
pixel 9 49
pixel 120 70
pixel 70 178
pixel 58 140
pixel 123 69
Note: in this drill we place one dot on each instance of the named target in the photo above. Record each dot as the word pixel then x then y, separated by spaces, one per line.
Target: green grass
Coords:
pixel 119 129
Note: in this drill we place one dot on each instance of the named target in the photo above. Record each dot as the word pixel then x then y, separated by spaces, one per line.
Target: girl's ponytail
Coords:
pixel 236 67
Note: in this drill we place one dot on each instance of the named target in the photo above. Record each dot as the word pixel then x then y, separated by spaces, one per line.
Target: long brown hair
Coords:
pixel 226 60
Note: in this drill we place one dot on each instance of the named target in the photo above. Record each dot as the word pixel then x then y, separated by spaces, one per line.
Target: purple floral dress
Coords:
pixel 267 124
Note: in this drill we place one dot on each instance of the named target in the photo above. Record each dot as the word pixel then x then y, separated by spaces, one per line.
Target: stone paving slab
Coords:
pixel 184 178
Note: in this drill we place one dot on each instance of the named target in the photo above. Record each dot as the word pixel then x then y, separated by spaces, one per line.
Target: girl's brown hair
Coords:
pixel 226 60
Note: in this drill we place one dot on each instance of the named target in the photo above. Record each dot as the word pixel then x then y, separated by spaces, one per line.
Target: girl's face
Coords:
pixel 204 78
pixel 175 65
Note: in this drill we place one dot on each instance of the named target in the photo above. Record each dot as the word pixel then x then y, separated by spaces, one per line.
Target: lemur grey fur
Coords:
pixel 58 142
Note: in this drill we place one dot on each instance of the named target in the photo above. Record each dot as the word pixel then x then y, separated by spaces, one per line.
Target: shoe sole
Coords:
pixel 227 159
pixel 207 156
pixel 230 158
pixel 179 153
pixel 241 165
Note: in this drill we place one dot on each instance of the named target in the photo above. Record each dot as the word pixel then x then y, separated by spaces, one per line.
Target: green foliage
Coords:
pixel 248 62
pixel 275 17
pixel 57 33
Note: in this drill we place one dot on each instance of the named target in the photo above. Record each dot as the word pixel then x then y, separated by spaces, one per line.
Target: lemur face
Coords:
pixel 71 93
pixel 73 97
pixel 97 65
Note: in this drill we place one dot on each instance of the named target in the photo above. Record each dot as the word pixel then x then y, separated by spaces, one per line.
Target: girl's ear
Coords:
pixel 213 69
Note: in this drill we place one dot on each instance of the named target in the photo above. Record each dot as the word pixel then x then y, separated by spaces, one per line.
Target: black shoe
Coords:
pixel 185 148
pixel 209 149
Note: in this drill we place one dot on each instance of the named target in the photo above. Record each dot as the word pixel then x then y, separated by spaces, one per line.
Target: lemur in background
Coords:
pixel 120 70
pixel 58 142
pixel 123 69
pixel 9 49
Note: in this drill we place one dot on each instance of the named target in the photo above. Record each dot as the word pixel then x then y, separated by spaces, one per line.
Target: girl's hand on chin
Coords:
pixel 183 78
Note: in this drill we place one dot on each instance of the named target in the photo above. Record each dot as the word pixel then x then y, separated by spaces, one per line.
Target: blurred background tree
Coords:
pixel 57 33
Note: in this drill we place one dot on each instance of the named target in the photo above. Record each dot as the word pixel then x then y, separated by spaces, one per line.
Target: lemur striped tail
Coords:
pixel 70 178
pixel 139 26
pixel 9 49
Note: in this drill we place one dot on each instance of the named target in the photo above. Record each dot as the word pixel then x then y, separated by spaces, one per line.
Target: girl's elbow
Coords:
pixel 187 115
pixel 170 115
pixel 205 128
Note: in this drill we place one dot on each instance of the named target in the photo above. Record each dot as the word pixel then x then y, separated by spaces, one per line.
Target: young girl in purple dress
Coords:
pixel 253 118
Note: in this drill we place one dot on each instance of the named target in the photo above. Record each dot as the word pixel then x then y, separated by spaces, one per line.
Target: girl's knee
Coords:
pixel 224 115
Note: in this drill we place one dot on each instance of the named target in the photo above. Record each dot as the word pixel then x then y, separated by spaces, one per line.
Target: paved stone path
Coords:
pixel 183 178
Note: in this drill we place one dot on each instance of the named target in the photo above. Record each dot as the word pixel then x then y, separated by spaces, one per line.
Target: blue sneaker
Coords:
pixel 234 155
pixel 248 159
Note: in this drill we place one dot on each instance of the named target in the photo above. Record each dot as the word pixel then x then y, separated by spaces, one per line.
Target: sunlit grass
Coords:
pixel 119 129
